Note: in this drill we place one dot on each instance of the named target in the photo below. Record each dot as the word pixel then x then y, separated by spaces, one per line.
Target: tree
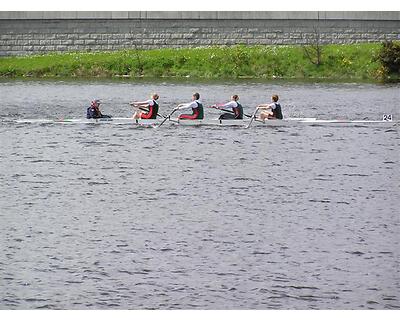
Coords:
pixel 313 49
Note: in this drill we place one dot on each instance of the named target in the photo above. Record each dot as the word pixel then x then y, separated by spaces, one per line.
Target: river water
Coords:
pixel 120 217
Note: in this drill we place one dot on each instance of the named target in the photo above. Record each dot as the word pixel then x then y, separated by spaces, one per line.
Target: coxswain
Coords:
pixel 237 109
pixel 197 108
pixel 93 112
pixel 146 109
pixel 272 110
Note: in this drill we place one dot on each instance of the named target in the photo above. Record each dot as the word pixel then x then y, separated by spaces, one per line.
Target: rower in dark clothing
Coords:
pixel 272 110
pixel 197 108
pixel 147 109
pixel 93 112
pixel 237 109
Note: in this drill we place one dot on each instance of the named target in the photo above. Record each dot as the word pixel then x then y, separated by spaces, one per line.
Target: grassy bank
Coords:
pixel 357 61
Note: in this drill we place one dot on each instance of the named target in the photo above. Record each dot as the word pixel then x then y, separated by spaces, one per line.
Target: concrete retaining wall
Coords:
pixel 39 32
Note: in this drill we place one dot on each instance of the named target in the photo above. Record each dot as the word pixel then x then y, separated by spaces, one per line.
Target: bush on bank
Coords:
pixel 389 58
pixel 370 61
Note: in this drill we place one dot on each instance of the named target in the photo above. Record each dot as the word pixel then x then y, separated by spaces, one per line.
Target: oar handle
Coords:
pixel 230 111
pixel 144 109
pixel 222 109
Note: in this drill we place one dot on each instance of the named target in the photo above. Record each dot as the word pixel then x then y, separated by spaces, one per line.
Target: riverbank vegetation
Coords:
pixel 369 61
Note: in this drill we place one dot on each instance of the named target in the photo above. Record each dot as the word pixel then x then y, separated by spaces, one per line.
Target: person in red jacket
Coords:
pixel 93 112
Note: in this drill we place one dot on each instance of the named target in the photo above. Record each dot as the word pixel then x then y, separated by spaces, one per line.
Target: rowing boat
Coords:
pixel 212 122
pixel 284 122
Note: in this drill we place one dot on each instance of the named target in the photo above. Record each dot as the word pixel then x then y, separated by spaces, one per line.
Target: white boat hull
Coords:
pixel 212 122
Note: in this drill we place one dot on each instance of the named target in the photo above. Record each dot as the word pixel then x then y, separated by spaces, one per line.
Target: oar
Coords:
pixel 167 117
pixel 252 118
pixel 144 109
pixel 230 111
pixel 160 115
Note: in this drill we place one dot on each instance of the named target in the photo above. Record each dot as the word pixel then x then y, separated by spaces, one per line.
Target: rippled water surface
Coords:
pixel 119 217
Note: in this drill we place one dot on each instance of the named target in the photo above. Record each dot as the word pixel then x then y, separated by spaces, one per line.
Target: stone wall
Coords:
pixel 39 32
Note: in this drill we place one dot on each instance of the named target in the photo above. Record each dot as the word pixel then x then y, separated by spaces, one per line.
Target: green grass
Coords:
pixel 355 61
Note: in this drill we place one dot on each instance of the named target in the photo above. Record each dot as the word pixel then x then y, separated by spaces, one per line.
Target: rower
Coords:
pixel 197 109
pixel 272 110
pixel 93 112
pixel 146 109
pixel 237 109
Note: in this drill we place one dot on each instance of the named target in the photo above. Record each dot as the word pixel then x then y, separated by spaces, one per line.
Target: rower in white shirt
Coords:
pixel 271 111
pixel 146 109
pixel 195 105
pixel 237 109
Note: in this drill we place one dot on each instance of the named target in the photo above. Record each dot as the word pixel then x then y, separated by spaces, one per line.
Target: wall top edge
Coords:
pixel 201 15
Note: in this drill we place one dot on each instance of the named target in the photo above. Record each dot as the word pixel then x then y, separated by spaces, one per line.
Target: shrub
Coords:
pixel 389 57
